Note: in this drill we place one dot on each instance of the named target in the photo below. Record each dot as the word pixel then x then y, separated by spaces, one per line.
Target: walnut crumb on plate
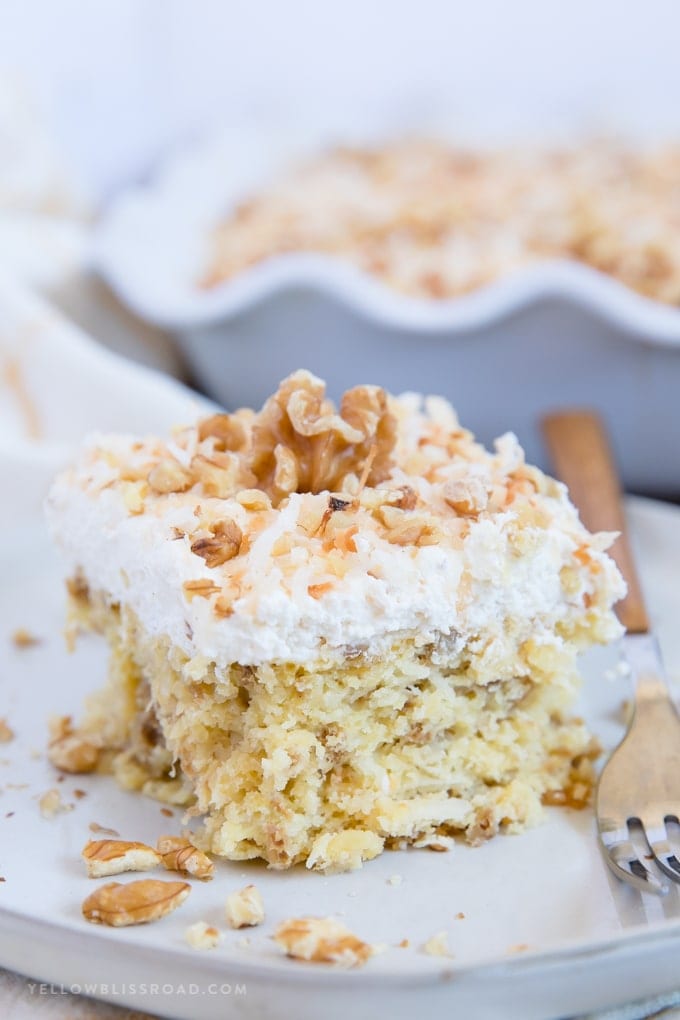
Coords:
pixel 22 638
pixel 148 899
pixel 6 732
pixel 322 940
pixel 104 857
pixel 102 829
pixel 178 854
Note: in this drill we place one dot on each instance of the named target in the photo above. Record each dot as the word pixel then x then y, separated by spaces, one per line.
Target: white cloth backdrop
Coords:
pixel 122 80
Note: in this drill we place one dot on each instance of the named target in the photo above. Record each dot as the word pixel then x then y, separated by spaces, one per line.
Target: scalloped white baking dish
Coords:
pixel 553 334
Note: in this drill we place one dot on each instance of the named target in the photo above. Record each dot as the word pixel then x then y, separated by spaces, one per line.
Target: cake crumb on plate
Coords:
pixel 202 935
pixel 437 945
pixel 51 804
pixel 322 940
pixel 245 908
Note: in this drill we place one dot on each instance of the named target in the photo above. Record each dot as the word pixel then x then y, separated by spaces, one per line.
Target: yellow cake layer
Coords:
pixel 325 765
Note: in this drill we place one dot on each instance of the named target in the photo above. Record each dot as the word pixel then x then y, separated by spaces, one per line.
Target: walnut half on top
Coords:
pixel 299 442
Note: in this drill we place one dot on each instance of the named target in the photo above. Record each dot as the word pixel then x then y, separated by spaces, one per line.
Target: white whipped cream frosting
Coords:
pixel 439 592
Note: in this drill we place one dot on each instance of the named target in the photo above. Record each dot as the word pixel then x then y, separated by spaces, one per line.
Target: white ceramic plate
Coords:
pixel 546 933
pixel 587 942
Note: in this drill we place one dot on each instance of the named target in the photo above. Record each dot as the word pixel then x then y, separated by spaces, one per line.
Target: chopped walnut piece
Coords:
pixel 223 545
pixel 223 606
pixel 78 588
pixel 366 469
pixel 408 499
pixel 134 494
pixel 22 638
pixel 178 854
pixel 102 829
pixel 202 935
pixel 134 472
pixel 367 408
pixel 69 750
pixel 51 804
pixel 405 527
pixel 148 899
pixel 253 499
pixel 218 477
pixel 322 940
pixel 226 429
pixel 467 497
pixel 554 798
pixel 437 945
pixel 576 794
pixel 244 908
pixel 105 857
pixel 311 414
pixel 201 588
pixel 6 732
pixel 343 539
pixel 169 476
pixel 285 470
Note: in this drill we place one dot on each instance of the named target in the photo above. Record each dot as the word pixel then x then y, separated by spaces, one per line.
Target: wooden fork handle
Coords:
pixel 582 458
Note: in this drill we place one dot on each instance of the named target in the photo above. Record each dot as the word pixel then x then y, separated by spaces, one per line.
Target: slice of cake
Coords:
pixel 333 629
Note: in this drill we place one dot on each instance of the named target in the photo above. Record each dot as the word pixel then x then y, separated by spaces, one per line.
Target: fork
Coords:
pixel 639 787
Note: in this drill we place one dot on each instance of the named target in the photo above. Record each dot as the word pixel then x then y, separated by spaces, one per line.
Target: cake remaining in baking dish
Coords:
pixel 333 629
pixel 436 221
